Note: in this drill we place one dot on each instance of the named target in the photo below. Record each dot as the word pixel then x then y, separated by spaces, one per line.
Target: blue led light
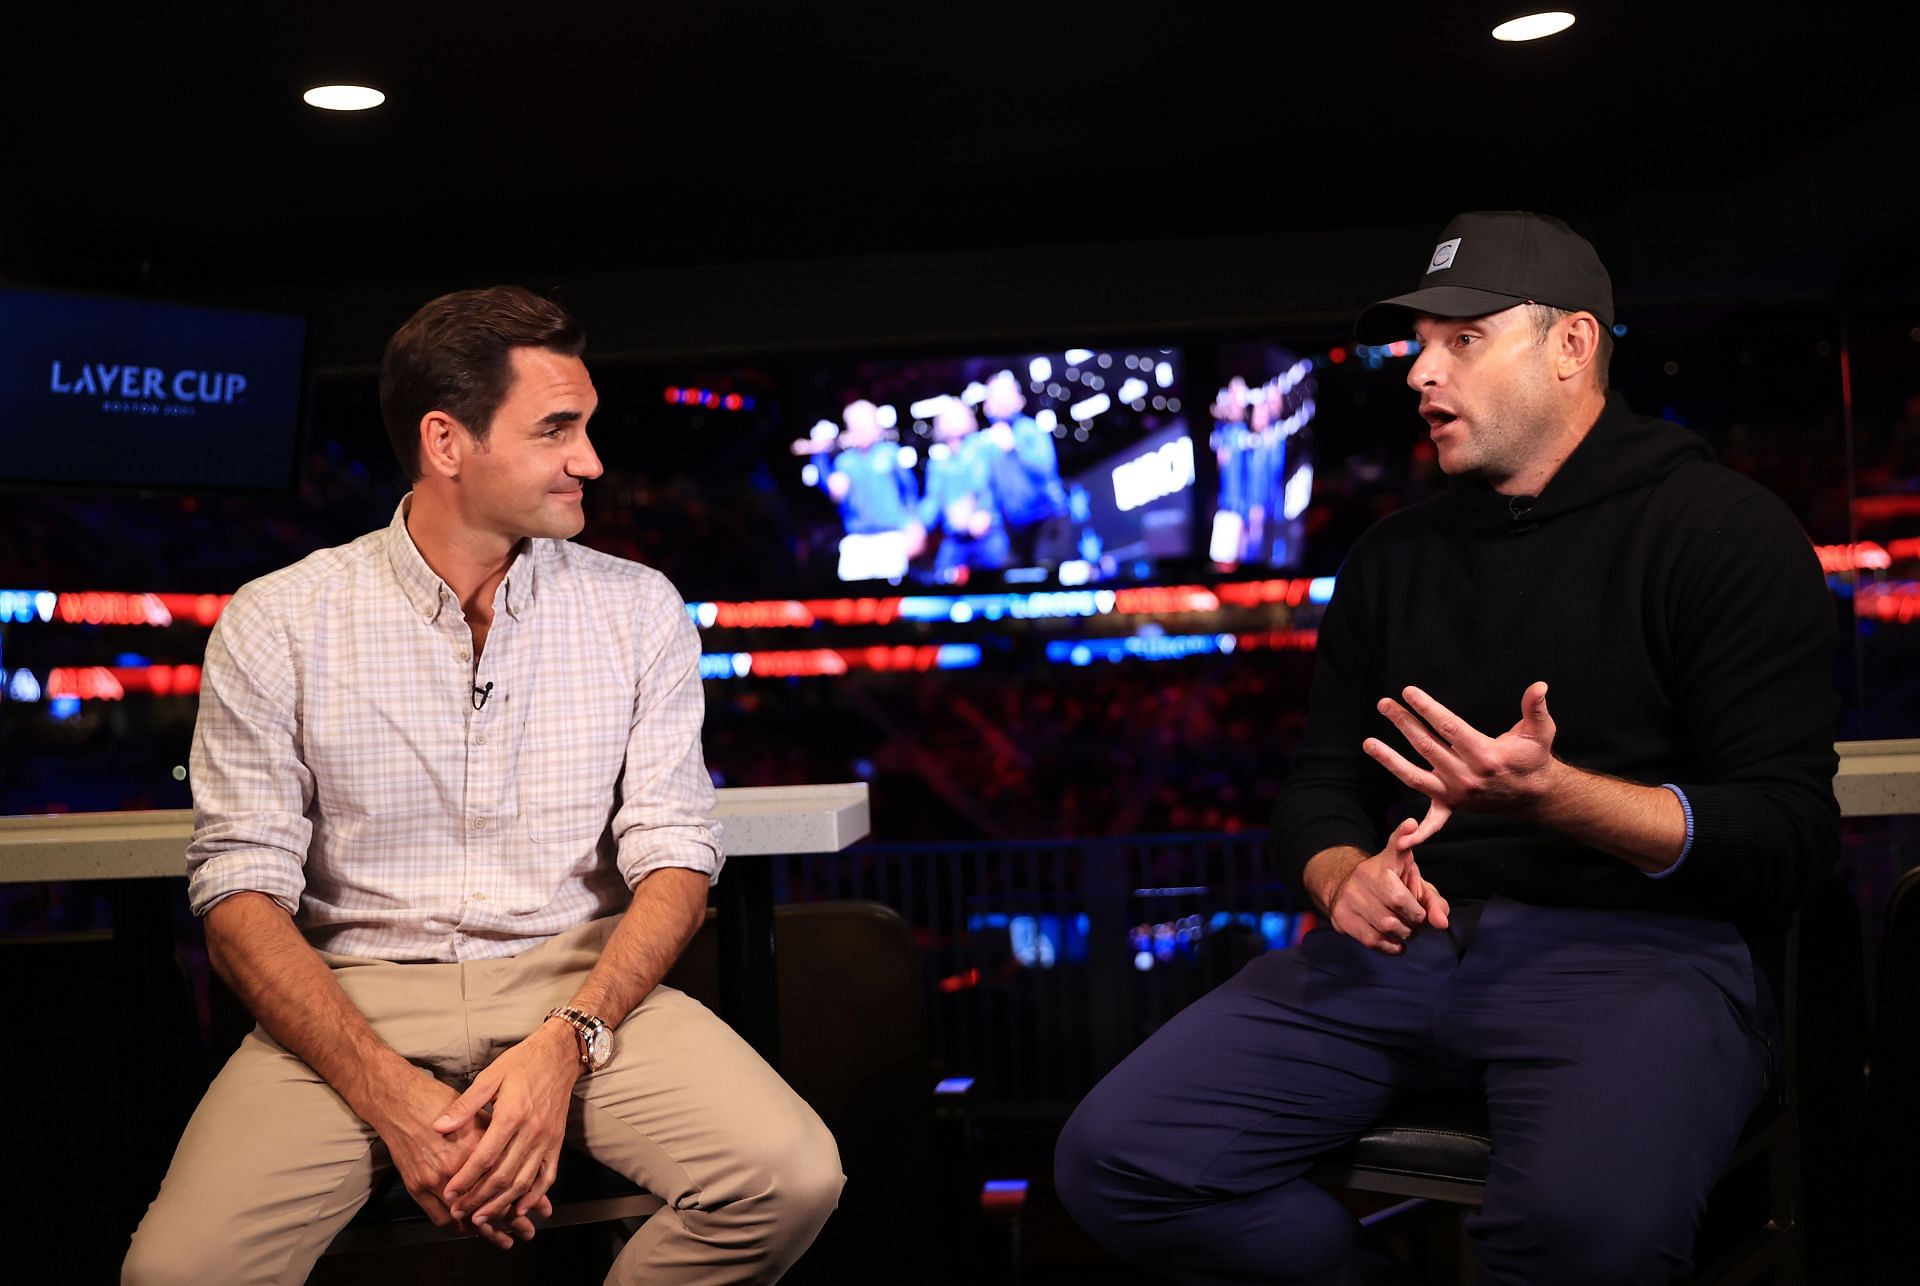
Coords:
pixel 27 605
pixel 957 656
pixel 926 608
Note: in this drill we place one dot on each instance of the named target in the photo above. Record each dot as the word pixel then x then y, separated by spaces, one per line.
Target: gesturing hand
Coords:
pixel 1383 899
pixel 527 1089
pixel 1470 771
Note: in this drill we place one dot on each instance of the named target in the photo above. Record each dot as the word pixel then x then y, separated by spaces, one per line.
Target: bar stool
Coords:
pixel 1436 1147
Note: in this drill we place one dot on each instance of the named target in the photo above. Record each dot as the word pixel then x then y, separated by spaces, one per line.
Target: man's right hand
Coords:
pixel 252 941
pixel 427 1159
pixel 1382 899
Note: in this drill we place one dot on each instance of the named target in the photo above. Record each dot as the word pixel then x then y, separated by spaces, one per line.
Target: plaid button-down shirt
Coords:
pixel 339 765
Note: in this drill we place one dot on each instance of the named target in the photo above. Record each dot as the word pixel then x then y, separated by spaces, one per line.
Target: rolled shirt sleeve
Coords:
pixel 349 761
pixel 665 812
pixel 251 791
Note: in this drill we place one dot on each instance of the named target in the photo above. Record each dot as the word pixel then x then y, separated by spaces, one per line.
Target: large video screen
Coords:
pixel 1262 437
pixel 101 392
pixel 1071 464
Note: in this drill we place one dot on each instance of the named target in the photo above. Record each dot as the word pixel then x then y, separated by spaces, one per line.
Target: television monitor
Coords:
pixel 1071 464
pixel 99 392
pixel 1262 415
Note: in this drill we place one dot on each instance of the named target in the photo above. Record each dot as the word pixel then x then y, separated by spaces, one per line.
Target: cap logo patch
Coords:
pixel 1443 255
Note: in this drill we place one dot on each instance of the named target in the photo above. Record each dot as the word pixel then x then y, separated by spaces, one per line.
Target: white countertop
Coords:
pixel 755 820
pixel 1878 778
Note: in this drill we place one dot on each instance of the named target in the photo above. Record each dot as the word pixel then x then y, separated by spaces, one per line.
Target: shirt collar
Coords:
pixel 430 595
pixel 523 575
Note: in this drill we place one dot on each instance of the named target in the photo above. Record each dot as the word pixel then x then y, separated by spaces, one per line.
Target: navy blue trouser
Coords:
pixel 1620 1053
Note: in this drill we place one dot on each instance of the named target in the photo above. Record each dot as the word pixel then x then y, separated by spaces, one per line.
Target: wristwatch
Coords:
pixel 595 1037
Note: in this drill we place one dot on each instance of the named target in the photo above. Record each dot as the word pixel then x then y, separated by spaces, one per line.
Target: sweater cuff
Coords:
pixel 1686 807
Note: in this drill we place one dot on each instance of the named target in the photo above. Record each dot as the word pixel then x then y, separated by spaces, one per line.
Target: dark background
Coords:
pixel 745 197
pixel 734 196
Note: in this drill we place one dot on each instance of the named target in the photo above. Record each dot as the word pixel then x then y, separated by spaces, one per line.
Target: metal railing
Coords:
pixel 1046 961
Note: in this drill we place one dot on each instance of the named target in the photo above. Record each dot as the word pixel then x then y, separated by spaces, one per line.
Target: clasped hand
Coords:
pixel 524 1093
pixel 485 1159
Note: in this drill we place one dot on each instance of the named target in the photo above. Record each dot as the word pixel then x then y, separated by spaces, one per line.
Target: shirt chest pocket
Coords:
pixel 569 766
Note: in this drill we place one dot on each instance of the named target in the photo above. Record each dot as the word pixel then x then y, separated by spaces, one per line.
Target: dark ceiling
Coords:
pixel 167 146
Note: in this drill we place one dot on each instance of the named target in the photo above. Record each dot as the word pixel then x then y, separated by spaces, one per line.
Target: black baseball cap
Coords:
pixel 1490 260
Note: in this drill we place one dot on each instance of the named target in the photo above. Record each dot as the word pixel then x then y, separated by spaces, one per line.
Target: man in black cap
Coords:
pixel 1574 911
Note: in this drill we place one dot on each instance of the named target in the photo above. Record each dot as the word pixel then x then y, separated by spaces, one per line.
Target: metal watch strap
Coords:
pixel 582 1024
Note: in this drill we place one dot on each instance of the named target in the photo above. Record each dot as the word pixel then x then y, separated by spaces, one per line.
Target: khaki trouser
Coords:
pixel 274 1162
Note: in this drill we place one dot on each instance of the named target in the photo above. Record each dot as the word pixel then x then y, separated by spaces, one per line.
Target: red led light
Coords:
pixel 87 682
pixel 202 609
pixel 96 608
pixel 1867 555
pixel 960 981
pixel 115 683
pixel 1895 604
pixel 1254 593
pixel 1279 641
pixel 777 614
pixel 1337 356
pixel 855 611
pixel 901 657
pixel 673 396
pixel 786 665
pixel 1871 509
pixel 1162 599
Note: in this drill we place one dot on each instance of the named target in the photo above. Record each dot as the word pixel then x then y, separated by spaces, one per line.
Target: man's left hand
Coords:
pixel 1470 772
pixel 525 1092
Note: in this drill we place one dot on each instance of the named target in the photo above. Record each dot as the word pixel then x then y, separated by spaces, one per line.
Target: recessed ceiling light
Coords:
pixel 1534 26
pixel 343 98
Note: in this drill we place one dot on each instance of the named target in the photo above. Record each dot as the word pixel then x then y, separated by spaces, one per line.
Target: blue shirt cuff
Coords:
pixel 1686 806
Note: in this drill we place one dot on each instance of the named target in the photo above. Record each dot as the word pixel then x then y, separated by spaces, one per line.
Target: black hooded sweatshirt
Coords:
pixel 1678 614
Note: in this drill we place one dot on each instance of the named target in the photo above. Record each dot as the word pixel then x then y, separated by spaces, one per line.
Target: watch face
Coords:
pixel 600 1048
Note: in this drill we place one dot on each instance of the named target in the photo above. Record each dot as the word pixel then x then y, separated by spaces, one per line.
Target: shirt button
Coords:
pixel 480 740
pixel 479 897
pixel 479 823
pixel 462 654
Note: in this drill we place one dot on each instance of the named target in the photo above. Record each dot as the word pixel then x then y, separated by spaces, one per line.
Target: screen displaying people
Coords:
pixel 1073 464
pixel 1262 449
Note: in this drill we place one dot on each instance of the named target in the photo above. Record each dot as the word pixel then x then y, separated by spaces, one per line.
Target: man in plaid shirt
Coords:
pixel 452 826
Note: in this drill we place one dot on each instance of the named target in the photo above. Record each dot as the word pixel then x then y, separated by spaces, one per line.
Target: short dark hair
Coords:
pixel 456 355
pixel 1543 316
